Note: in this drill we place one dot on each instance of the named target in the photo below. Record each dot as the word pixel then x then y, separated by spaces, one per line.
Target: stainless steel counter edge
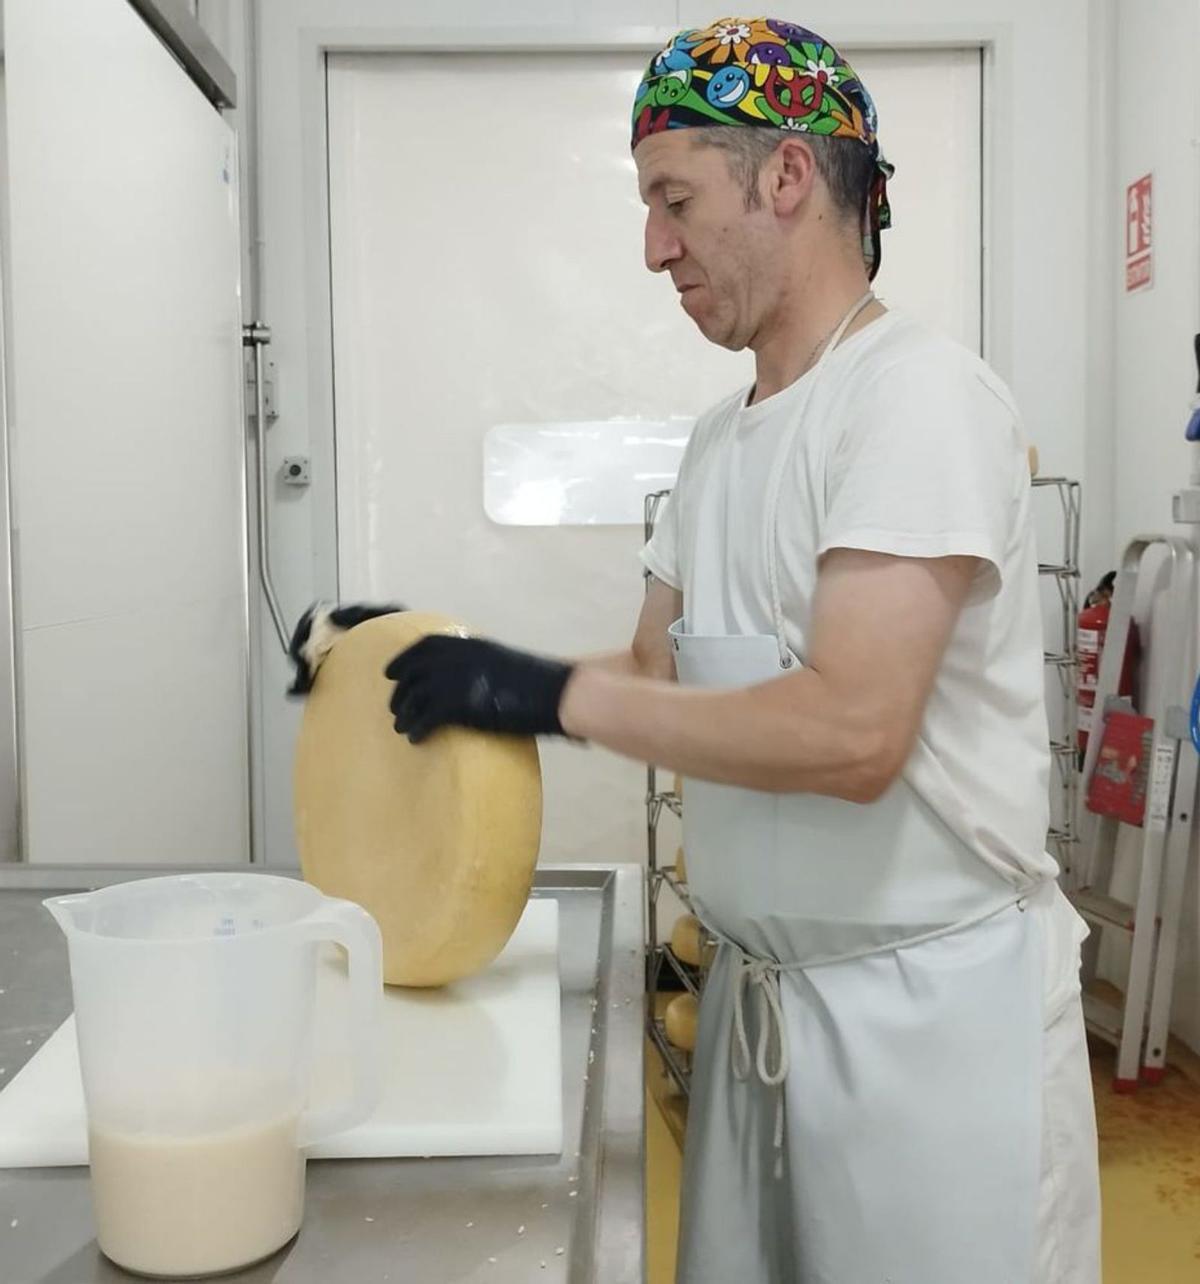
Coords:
pixel 618 1135
pixel 612 1183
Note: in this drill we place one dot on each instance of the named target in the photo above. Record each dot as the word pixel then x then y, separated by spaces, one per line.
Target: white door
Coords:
pixel 488 271
pixel 126 433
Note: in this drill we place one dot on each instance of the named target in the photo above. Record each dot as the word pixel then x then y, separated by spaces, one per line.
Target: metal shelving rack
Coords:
pixel 659 954
pixel 1063 837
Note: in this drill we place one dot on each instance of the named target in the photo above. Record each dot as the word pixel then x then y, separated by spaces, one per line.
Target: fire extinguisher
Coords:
pixel 1092 627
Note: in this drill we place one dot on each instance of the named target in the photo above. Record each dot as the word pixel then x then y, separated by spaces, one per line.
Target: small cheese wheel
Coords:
pixel 680 866
pixel 680 1021
pixel 690 943
pixel 1033 461
pixel 437 841
pixel 678 786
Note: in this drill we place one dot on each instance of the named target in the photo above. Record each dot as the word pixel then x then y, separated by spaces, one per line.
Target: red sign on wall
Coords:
pixel 1139 253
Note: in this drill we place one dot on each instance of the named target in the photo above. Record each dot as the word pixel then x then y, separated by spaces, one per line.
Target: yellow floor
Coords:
pixel 1149 1173
pixel 1150 1178
pixel 664 1169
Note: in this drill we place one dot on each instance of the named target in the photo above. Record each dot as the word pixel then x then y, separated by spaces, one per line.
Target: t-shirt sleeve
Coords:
pixel 661 555
pixel 927 465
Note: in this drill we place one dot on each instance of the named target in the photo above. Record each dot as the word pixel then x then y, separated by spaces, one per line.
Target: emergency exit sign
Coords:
pixel 1139 251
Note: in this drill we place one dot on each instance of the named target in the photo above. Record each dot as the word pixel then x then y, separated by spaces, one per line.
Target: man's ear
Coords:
pixel 793 175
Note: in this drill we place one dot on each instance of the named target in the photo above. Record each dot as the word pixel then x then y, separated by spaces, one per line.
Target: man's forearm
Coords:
pixel 788 735
pixel 631 664
pixel 617 663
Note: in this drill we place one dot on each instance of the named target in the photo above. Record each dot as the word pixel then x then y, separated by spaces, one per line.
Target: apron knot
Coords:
pixel 761 976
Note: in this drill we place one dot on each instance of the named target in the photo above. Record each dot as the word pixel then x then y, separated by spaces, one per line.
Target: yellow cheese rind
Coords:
pixel 690 943
pixel 438 841
pixel 680 1020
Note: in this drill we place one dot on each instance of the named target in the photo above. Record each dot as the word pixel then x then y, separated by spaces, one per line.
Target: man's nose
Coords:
pixel 662 244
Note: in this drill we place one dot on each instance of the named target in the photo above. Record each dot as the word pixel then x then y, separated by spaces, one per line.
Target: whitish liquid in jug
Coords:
pixel 196 1205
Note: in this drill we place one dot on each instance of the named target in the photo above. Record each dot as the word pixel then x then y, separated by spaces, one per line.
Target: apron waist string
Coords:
pixel 761 976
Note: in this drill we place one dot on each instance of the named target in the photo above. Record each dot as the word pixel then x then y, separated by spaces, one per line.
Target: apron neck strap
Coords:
pixel 786 444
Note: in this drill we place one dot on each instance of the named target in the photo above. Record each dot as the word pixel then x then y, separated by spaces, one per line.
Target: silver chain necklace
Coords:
pixel 820 343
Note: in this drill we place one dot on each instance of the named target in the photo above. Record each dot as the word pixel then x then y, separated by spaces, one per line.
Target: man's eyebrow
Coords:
pixel 663 180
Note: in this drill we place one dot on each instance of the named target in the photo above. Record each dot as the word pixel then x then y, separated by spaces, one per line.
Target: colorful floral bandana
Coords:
pixel 760 71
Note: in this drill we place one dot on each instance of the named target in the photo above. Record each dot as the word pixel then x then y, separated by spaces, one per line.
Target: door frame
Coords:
pixel 303 326
pixel 993 40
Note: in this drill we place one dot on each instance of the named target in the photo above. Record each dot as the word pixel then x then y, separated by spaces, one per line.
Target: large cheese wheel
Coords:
pixel 437 841
pixel 690 942
pixel 680 1021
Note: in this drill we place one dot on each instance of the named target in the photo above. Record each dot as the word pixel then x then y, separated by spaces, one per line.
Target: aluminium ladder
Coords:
pixel 1138 1025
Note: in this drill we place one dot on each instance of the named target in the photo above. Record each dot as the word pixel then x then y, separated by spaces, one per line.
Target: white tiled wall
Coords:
pixel 127 440
pixel 134 737
pixel 9 827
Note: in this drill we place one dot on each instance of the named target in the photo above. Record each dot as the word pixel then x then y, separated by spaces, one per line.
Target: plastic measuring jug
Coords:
pixel 194 1009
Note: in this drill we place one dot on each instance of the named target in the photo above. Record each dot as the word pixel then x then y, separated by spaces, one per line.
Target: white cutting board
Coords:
pixel 471 1069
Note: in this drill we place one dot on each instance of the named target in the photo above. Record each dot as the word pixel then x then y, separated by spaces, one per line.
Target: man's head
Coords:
pixel 756 151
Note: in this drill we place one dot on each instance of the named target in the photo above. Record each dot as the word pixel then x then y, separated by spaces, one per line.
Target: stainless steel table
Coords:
pixel 393 1221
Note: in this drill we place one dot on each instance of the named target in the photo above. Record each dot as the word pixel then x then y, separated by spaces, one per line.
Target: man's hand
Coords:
pixel 318 629
pixel 470 682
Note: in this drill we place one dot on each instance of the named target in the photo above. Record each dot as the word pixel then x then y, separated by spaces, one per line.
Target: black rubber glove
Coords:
pixel 470 682
pixel 319 628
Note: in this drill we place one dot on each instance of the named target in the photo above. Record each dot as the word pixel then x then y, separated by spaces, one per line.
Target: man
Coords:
pixel 891 1078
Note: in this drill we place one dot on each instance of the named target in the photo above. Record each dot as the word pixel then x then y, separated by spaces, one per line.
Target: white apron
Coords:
pixel 866 1103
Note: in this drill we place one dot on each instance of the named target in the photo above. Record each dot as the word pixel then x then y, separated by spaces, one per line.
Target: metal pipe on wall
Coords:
pixel 257 335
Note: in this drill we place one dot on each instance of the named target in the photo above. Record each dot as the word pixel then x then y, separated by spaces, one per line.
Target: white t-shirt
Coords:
pixel 909 445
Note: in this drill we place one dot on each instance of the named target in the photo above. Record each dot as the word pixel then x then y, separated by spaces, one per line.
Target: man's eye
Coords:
pixel 676 205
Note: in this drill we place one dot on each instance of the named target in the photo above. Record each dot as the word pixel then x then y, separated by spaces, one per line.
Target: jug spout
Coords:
pixel 71 913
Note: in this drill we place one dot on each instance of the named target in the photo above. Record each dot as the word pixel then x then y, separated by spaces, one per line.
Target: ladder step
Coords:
pixel 1103 1019
pixel 1104 911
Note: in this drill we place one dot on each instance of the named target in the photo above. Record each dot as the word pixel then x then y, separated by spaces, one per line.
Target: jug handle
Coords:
pixel 350 926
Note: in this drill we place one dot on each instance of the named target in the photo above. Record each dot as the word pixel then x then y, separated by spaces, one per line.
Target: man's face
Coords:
pixel 699 230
